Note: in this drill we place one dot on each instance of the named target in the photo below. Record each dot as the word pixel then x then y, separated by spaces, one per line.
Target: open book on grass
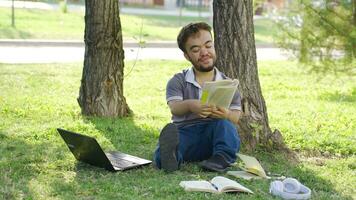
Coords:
pixel 251 168
pixel 217 185
pixel 219 93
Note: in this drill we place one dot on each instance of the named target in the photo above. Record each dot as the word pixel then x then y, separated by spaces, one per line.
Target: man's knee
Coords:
pixel 230 132
pixel 227 124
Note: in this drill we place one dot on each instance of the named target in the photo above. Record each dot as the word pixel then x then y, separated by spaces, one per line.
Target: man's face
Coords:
pixel 200 51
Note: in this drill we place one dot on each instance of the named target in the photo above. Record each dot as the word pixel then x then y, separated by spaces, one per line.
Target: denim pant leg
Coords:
pixel 200 141
pixel 194 144
pixel 226 140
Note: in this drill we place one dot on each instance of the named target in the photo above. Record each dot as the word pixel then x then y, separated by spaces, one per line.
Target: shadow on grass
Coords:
pixel 41 166
pixel 23 161
pixel 44 167
pixel 126 136
pixel 339 97
pixel 130 138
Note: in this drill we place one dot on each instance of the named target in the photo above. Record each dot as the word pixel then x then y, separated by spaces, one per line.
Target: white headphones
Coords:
pixel 290 188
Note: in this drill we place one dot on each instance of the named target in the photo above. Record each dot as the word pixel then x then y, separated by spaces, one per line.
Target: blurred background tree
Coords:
pixel 321 34
pixel 258 6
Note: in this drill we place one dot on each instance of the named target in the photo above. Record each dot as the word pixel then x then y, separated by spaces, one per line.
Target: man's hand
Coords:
pixel 202 110
pixel 219 112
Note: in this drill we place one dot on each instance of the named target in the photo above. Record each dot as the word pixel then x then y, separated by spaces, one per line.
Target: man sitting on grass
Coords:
pixel 199 132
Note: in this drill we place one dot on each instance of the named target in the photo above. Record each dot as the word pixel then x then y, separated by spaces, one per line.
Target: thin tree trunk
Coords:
pixel 236 53
pixel 354 23
pixel 101 91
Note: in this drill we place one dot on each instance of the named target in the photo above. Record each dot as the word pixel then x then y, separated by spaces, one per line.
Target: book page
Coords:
pixel 225 82
pixel 202 186
pixel 222 96
pixel 243 174
pixel 219 93
pixel 227 185
pixel 252 165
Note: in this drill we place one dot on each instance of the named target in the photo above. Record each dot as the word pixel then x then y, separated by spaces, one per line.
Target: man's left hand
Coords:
pixel 220 112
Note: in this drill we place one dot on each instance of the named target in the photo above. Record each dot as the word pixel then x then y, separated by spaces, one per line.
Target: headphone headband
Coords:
pixel 290 188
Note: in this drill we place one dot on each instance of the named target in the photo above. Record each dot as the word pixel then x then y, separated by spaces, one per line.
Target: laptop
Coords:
pixel 88 150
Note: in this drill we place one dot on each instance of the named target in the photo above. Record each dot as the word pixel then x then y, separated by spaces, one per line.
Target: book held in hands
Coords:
pixel 217 185
pixel 219 93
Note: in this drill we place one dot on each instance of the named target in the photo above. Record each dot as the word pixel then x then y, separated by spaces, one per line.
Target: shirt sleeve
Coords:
pixel 236 102
pixel 174 90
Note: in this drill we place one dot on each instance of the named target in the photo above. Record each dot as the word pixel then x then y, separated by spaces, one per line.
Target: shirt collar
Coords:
pixel 190 76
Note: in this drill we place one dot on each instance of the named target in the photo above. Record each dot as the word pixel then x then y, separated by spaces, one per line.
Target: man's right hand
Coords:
pixel 190 105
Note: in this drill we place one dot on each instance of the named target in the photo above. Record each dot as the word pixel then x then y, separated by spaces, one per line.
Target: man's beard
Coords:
pixel 201 68
pixel 204 69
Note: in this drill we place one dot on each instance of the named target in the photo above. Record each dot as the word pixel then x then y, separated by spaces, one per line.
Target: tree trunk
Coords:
pixel 236 57
pixel 101 91
pixel 354 23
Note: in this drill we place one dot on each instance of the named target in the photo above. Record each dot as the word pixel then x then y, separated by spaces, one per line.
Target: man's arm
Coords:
pixel 190 105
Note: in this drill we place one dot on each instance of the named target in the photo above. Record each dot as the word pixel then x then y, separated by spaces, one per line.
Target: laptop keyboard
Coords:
pixel 117 161
pixel 121 163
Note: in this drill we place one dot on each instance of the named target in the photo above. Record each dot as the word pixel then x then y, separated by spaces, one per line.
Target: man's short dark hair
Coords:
pixel 189 30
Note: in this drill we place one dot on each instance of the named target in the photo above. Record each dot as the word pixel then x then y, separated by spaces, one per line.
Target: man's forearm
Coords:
pixel 180 107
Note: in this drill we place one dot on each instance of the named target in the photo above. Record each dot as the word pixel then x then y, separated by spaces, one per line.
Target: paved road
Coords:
pixel 61 54
pixel 42 51
pixel 123 9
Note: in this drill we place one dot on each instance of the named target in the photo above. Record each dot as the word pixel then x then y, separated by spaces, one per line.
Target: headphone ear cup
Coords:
pixel 278 188
pixel 291 185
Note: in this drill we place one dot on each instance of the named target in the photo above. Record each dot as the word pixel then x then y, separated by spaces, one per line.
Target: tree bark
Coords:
pixel 236 57
pixel 101 91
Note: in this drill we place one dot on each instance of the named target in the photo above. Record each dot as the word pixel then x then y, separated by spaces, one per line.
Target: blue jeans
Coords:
pixel 200 141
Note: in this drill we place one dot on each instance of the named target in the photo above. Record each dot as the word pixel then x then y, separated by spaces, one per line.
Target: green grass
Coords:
pixel 38 24
pixel 315 117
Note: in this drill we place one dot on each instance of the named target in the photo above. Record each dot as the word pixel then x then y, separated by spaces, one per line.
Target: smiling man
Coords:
pixel 199 132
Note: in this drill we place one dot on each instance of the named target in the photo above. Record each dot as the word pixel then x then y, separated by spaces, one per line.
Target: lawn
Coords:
pixel 316 118
pixel 31 24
